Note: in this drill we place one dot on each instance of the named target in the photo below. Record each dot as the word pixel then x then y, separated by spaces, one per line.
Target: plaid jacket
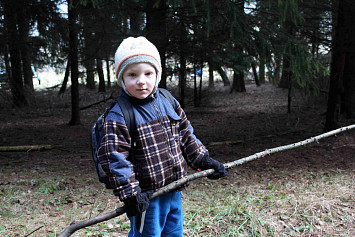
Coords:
pixel 164 143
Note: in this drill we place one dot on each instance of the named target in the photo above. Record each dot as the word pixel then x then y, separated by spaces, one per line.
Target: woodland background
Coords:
pixel 250 75
pixel 290 43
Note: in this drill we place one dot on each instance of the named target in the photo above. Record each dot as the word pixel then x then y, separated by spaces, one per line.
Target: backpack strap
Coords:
pixel 169 96
pixel 127 111
pixel 128 114
pixel 107 111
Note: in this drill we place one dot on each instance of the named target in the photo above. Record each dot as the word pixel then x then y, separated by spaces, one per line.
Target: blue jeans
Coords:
pixel 162 218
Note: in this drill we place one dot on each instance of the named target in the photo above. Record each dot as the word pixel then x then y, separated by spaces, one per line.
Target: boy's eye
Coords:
pixel 132 74
pixel 149 73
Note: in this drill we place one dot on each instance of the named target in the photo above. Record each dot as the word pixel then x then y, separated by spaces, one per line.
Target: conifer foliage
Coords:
pixel 287 43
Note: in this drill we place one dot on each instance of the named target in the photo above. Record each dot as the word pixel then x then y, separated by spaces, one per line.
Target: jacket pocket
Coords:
pixel 174 126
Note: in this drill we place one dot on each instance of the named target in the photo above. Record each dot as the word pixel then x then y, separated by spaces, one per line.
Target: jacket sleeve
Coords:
pixel 113 156
pixel 192 148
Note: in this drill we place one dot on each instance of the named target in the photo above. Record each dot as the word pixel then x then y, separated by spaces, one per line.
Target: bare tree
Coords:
pixel 73 55
pixel 342 82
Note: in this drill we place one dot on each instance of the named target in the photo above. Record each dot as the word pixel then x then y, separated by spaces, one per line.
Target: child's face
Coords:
pixel 139 79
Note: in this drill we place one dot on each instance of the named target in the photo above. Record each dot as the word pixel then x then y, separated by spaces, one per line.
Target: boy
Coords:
pixel 163 144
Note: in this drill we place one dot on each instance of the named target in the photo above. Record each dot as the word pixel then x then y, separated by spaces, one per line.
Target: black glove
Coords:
pixel 138 204
pixel 209 163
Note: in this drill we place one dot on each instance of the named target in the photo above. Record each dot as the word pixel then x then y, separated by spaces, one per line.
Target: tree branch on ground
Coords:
pixel 98 102
pixel 74 226
pixel 235 142
pixel 53 87
pixel 34 231
pixel 26 148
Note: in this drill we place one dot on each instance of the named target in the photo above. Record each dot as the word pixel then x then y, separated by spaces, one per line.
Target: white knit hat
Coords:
pixel 136 50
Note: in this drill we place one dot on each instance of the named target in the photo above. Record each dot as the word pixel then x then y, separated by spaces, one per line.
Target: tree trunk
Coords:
pixel 65 80
pixel 257 82
pixel 289 95
pixel 277 67
pixel 89 44
pixel 349 70
pixel 135 18
pixel 314 41
pixel 262 70
pixel 73 54
pixel 234 87
pixel 182 75
pixel 89 64
pixel 224 76
pixel 108 73
pixel 23 27
pixel 182 69
pixel 349 85
pixel 7 64
pixel 16 83
pixel 238 84
pixel 242 83
pixel 286 63
pixel 195 87
pixel 200 87
pixel 284 81
pixel 336 87
pixel 210 74
pixel 100 72
pixel 156 32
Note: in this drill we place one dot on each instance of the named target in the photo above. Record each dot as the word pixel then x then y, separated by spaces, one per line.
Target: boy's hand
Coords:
pixel 209 163
pixel 139 203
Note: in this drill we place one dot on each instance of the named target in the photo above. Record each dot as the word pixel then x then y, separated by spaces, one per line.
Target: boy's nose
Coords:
pixel 141 80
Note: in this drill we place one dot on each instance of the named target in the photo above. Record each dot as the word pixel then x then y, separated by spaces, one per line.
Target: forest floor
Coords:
pixel 307 191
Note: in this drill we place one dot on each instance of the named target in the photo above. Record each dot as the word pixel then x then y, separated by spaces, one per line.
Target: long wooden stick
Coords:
pixel 74 226
pixel 288 147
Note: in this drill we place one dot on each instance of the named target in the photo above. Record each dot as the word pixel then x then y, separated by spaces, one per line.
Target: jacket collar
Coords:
pixel 137 101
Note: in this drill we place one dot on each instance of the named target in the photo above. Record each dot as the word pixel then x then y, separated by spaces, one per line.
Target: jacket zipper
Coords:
pixel 165 133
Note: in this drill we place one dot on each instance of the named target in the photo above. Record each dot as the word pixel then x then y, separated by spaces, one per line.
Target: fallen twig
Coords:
pixel 348 145
pixel 25 148
pixel 235 142
pixel 98 102
pixel 74 226
pixel 53 87
pixel 33 231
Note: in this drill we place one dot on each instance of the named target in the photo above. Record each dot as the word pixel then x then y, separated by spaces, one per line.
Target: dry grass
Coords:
pixel 319 204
